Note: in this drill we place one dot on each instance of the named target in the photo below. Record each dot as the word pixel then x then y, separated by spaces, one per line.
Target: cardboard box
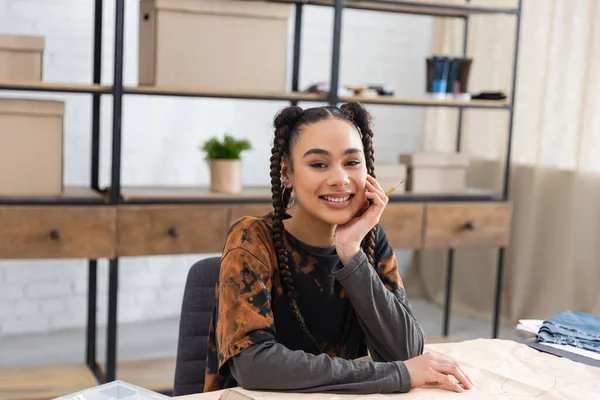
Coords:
pixel 21 57
pixel 436 172
pixel 389 175
pixel 220 45
pixel 31 147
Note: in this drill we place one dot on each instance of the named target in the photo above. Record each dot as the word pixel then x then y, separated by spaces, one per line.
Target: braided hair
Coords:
pixel 287 124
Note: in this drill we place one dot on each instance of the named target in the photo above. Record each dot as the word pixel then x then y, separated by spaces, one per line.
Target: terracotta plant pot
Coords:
pixel 225 176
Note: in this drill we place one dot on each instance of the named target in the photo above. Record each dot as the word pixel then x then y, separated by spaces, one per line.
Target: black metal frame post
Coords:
pixel 450 262
pixel 111 331
pixel 507 168
pixel 333 98
pixel 115 188
pixel 115 185
pixel 94 179
pixel 96 97
pixel 297 50
pixel 448 294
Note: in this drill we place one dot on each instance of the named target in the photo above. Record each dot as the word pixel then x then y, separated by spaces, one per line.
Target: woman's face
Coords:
pixel 329 171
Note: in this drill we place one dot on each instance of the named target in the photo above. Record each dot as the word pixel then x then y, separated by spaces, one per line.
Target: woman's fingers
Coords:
pixel 375 188
pixel 434 368
pixel 375 197
pixel 441 359
pixel 450 383
pixel 376 207
pixel 452 369
pixel 435 376
pixel 375 183
pixel 372 189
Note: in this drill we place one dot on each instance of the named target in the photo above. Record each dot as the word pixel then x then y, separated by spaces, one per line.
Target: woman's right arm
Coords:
pixel 271 366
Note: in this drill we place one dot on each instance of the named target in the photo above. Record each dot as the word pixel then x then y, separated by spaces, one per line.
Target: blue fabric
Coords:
pixel 573 328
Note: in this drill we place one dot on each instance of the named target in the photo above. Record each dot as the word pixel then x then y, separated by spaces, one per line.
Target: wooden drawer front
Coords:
pixel 467 224
pixel 32 232
pixel 181 229
pixel 403 225
pixel 252 210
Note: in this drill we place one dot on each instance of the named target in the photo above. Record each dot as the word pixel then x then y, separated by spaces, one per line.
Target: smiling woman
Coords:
pixel 301 297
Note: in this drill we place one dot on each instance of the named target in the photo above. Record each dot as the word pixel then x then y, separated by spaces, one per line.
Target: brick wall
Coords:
pixel 161 135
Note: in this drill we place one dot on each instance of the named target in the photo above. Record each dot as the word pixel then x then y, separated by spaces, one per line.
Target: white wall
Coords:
pixel 161 135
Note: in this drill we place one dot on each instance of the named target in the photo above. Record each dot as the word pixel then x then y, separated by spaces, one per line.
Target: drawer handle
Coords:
pixel 174 232
pixel 55 235
pixel 469 225
pixel 146 17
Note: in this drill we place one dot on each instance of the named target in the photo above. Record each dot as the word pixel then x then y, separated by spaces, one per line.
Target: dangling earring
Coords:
pixel 291 196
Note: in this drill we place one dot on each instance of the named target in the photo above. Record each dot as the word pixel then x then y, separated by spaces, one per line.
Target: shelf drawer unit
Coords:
pixel 169 229
pixel 46 232
pixel 467 225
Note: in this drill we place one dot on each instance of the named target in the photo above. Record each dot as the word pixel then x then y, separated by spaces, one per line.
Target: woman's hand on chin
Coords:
pixel 349 235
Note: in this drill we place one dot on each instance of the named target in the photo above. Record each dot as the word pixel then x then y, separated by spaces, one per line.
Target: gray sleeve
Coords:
pixel 271 366
pixel 391 331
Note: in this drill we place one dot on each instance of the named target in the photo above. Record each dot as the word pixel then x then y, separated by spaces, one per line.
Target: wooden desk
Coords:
pixel 500 370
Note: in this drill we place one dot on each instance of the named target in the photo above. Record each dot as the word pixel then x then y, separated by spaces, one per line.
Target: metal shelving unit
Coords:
pixel 114 196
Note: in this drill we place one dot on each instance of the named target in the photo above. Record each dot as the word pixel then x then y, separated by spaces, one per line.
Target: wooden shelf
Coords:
pixel 44 382
pixel 300 96
pixel 72 195
pixel 428 102
pixel 439 8
pixel 182 194
pixel 194 194
pixel 186 92
pixel 155 374
pixel 54 87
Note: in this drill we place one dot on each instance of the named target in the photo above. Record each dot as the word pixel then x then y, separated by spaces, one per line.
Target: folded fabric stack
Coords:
pixel 574 328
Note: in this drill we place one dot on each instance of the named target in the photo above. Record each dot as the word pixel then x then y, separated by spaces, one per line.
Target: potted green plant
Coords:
pixel 224 159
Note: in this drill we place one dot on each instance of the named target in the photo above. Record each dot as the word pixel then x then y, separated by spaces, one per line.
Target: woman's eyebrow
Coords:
pixel 352 151
pixel 316 151
pixel 327 153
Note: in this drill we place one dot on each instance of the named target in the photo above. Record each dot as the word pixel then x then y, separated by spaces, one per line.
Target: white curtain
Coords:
pixel 553 261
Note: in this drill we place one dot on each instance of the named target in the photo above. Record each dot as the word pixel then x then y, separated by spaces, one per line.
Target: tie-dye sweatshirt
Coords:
pixel 255 341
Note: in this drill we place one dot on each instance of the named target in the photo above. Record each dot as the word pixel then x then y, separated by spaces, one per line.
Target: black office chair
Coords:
pixel 196 312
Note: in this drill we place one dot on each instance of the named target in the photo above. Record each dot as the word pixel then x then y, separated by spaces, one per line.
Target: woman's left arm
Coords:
pixel 378 296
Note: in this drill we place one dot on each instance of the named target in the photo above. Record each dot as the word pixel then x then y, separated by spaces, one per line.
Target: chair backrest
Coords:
pixel 196 310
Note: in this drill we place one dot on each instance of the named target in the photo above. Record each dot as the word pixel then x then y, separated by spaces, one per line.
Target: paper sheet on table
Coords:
pixel 500 369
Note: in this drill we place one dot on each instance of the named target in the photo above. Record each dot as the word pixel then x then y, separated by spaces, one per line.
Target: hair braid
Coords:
pixel 362 119
pixel 284 125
